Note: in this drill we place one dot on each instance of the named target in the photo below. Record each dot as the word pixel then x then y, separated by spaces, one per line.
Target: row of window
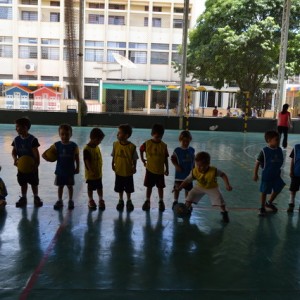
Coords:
pixel 6 13
pixel 92 55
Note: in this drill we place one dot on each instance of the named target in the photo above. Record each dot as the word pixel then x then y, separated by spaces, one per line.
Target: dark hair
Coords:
pixel 185 134
pixel 24 122
pixel 126 128
pixel 65 127
pixel 203 157
pixel 270 135
pixel 285 108
pixel 97 133
pixel 158 128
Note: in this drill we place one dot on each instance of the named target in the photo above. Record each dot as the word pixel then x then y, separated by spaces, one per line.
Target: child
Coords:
pixel 124 158
pixel 270 159
pixel 3 193
pixel 183 160
pixel 156 164
pixel 26 145
pixel 66 166
pixel 295 176
pixel 206 176
pixel 93 168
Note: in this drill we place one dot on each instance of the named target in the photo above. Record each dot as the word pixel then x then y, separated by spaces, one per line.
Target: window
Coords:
pixel 156 22
pixel 50 53
pixel 159 58
pixel 110 57
pixel 138 57
pixel 54 17
pixel 27 77
pixel 94 55
pixel 116 44
pixel 175 47
pixel 94 44
pixel 5 13
pixel 6 51
pixel 116 20
pixel 146 21
pixel 91 92
pixel 5 39
pixel 178 10
pixel 6 1
pixel 27 52
pixel 50 78
pixel 156 46
pixel 96 5
pixel 24 40
pixel 54 3
pixel 177 23
pixel 116 6
pixel 157 8
pixel 137 45
pixel 176 57
pixel 96 19
pixel 29 2
pixel 29 15
pixel 50 42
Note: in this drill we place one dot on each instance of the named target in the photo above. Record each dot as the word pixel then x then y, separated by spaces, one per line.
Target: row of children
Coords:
pixel 154 155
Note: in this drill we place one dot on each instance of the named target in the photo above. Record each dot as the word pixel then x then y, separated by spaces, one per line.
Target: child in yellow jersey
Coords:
pixel 206 177
pixel 93 168
pixel 124 158
pixel 156 164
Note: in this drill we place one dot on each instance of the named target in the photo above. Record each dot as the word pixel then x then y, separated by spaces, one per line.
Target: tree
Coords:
pixel 239 41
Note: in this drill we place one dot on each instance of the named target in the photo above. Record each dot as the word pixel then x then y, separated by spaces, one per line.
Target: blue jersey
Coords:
pixel 24 146
pixel 185 159
pixel 295 154
pixel 65 165
pixel 271 160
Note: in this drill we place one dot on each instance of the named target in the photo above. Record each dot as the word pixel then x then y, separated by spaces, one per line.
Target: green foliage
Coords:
pixel 239 40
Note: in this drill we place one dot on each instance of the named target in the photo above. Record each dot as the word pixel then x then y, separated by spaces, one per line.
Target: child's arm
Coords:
pixel 174 161
pixel 113 163
pixel 226 181
pixel 166 166
pixel 14 156
pixel 77 161
pixel 36 155
pixel 186 181
pixel 142 150
pixel 292 167
pixel 134 166
pixel 255 175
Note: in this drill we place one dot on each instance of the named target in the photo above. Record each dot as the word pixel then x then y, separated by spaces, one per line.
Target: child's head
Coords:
pixel 22 125
pixel 272 138
pixel 202 161
pixel 65 132
pixel 185 138
pixel 157 132
pixel 96 136
pixel 125 132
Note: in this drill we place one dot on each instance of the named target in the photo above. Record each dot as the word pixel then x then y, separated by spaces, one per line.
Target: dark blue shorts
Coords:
pixel 295 184
pixel 64 180
pixel 152 179
pixel 95 184
pixel 124 183
pixel 274 186
pixel 28 178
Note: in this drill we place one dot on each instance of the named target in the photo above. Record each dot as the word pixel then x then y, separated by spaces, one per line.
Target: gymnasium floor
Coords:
pixel 45 254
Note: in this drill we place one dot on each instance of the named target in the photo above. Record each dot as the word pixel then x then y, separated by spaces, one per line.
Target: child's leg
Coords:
pixel 60 192
pixel 263 198
pixel 160 194
pixel 70 189
pixel 273 197
pixel 90 194
pixel 24 189
pixel 128 196
pixel 35 190
pixel 121 195
pixel 148 193
pixel 100 194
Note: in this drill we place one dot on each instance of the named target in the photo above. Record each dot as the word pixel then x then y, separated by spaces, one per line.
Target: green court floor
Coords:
pixel 45 254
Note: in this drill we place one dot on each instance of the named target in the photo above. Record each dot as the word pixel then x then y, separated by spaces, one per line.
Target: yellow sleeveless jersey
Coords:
pixel 96 162
pixel 207 180
pixel 124 156
pixel 156 154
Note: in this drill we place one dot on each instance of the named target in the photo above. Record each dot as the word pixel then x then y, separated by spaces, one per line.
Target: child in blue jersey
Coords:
pixel 67 164
pixel 295 176
pixel 183 159
pixel 25 144
pixel 124 158
pixel 270 160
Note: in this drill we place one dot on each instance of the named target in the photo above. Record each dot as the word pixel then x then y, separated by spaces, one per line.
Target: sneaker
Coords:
pixel 58 205
pixel 225 217
pixel 37 201
pixel 71 204
pixel 22 202
pixel 291 208
pixel 146 205
pixel 102 205
pixel 271 206
pixel 129 206
pixel 92 205
pixel 262 212
pixel 120 205
pixel 161 206
pixel 174 203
